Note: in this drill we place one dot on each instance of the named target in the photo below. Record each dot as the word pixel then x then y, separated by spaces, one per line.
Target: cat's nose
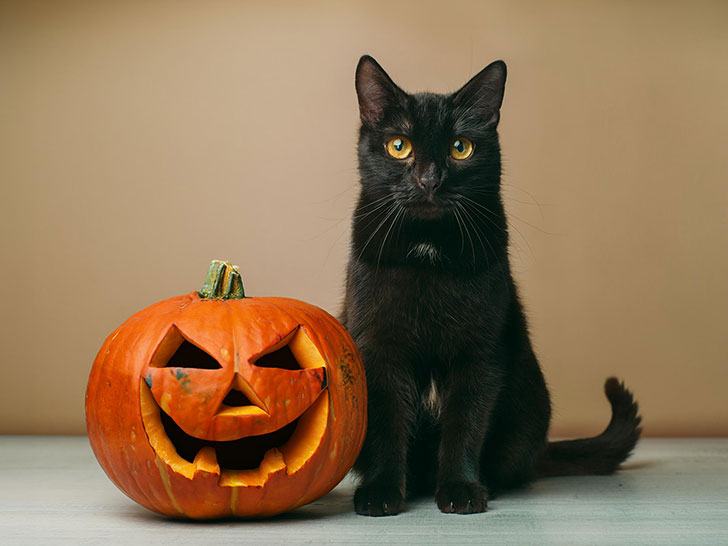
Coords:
pixel 429 180
pixel 429 183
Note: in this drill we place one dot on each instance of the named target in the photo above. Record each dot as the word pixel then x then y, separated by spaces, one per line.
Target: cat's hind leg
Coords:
pixel 518 434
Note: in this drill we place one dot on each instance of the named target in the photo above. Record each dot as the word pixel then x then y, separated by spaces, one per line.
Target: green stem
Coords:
pixel 223 282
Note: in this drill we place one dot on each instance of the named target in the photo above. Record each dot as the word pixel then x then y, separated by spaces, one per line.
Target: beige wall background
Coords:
pixel 139 140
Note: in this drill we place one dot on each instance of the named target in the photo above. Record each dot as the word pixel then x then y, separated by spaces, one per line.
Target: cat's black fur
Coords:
pixel 458 405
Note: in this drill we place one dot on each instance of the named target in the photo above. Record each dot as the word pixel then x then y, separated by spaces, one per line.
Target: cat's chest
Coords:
pixel 426 306
pixel 425 252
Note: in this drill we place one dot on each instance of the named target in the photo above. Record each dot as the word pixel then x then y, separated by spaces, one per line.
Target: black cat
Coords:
pixel 457 401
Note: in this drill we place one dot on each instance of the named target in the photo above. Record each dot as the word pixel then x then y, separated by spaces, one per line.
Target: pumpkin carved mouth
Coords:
pixel 241 438
pixel 242 454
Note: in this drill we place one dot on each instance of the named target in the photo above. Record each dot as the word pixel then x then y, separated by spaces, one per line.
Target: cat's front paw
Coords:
pixel 374 500
pixel 461 498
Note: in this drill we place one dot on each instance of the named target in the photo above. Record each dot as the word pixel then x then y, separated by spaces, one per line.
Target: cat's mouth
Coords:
pixel 428 210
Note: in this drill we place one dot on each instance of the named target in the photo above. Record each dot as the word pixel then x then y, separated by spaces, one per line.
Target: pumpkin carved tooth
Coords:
pixel 244 453
pixel 206 461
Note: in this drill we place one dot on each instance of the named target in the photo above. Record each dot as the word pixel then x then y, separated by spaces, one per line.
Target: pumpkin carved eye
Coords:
pixel 190 356
pixel 461 148
pixel 399 147
pixel 282 358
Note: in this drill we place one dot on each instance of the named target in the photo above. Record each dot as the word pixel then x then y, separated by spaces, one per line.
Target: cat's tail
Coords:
pixel 601 454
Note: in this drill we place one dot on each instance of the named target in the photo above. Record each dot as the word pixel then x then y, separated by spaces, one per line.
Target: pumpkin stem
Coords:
pixel 223 282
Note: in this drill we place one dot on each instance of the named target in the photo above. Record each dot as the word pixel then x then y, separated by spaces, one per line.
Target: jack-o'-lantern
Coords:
pixel 215 404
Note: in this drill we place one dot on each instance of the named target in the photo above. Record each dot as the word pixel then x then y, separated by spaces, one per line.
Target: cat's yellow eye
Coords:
pixel 399 147
pixel 461 148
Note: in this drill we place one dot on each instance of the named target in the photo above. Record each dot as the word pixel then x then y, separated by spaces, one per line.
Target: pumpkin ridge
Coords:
pixel 106 449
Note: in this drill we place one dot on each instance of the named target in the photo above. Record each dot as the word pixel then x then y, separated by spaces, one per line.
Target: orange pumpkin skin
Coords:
pixel 234 332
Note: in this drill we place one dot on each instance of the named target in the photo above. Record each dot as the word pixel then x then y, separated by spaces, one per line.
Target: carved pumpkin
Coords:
pixel 214 404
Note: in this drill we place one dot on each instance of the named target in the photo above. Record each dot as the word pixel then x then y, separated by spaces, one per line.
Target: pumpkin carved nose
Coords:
pixel 288 393
pixel 241 394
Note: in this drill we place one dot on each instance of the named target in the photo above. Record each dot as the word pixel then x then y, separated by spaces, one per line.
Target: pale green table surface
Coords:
pixel 52 491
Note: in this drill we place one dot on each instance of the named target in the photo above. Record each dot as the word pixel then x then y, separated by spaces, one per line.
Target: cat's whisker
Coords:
pixel 375 213
pixel 480 206
pixel 515 187
pixel 373 205
pixel 485 191
pixel 326 230
pixel 467 232
pixel 498 261
pixel 533 200
pixel 331 248
pixel 468 214
pixel 391 210
pixel 511 215
pixel 399 228
pixel 512 240
pixel 369 213
pixel 473 223
pixel 486 209
pixel 460 227
pixel 375 202
pixel 335 196
pixel 481 210
pixel 506 197
pixel 400 208
pixel 380 203
pixel 510 198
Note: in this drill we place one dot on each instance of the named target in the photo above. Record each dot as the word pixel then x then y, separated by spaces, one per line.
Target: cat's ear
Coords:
pixel 484 93
pixel 376 91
